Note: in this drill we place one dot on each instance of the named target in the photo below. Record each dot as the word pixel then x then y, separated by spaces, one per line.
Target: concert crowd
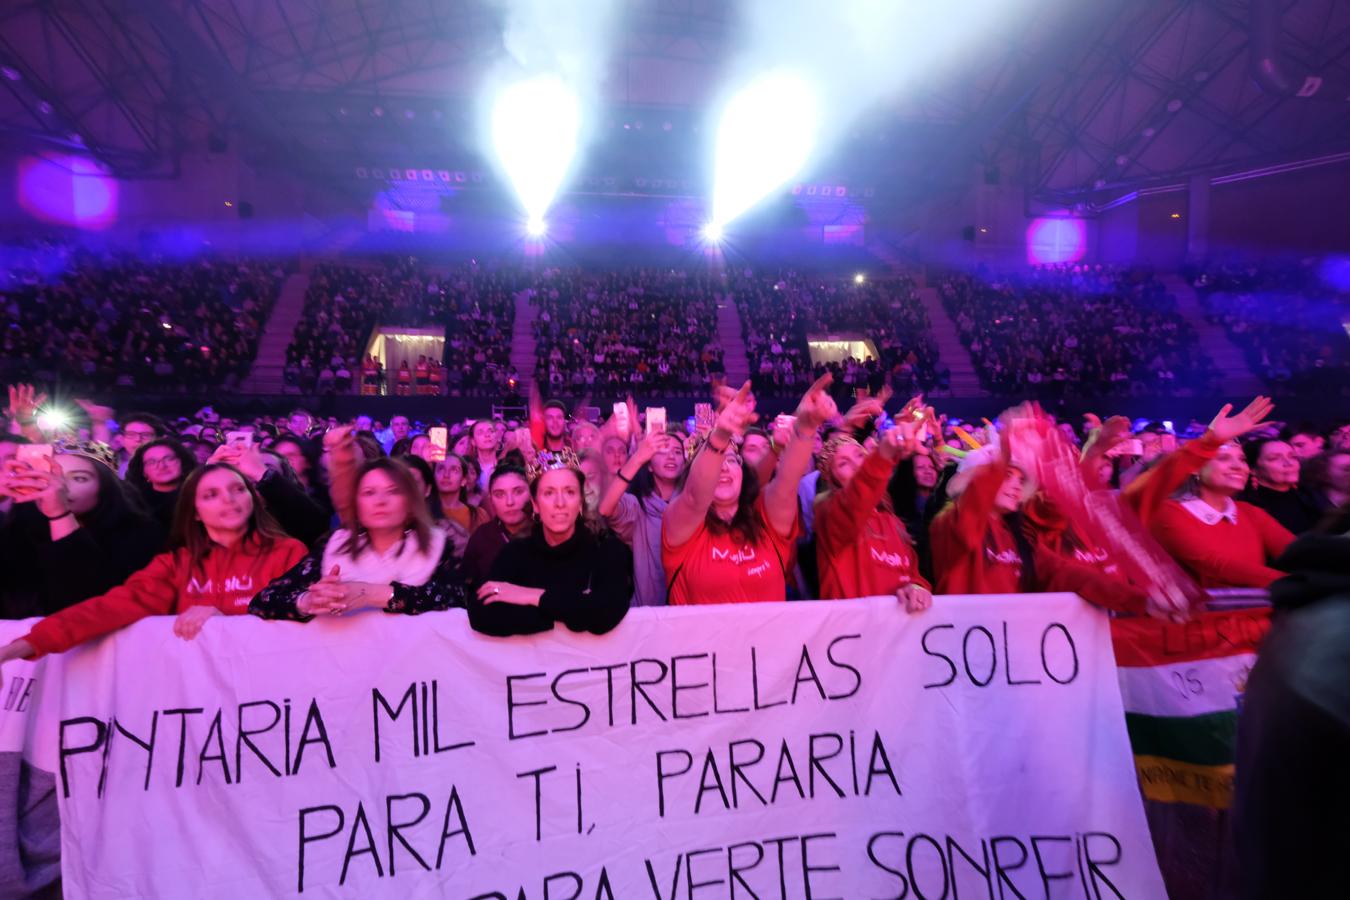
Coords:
pixel 559 518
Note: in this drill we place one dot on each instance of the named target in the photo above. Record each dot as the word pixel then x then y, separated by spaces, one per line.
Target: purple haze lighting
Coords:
pixel 1056 240
pixel 1336 272
pixel 67 190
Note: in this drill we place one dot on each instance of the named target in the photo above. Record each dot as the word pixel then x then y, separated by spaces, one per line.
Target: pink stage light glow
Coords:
pixel 1056 240
pixel 67 190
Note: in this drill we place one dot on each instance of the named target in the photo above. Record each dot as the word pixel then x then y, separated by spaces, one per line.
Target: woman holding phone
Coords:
pixel 80 527
pixel 222 549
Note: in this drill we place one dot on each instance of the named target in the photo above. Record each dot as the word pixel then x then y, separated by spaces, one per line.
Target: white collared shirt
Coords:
pixel 1208 514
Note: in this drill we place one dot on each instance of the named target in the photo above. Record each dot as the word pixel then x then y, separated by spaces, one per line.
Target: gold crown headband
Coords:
pixel 550 460
pixel 96 450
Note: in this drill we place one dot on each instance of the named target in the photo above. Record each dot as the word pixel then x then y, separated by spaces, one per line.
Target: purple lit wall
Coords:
pixel 66 190
pixel 1056 240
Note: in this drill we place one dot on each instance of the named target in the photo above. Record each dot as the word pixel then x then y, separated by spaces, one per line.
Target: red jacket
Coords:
pixel 1223 554
pixel 863 551
pixel 226 579
pixel 974 550
pixel 1048 529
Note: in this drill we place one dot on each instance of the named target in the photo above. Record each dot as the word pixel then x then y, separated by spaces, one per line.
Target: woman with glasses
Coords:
pixel 157 471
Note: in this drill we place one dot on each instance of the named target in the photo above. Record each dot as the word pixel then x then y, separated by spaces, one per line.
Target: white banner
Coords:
pixel 813 750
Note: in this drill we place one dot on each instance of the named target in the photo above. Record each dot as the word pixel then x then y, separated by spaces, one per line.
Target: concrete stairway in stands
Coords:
pixel 522 338
pixel 1238 378
pixel 266 375
pixel 732 340
pixel 951 352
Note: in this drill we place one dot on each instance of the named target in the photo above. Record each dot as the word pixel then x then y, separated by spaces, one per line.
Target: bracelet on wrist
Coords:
pixel 54 518
pixel 622 477
pixel 716 449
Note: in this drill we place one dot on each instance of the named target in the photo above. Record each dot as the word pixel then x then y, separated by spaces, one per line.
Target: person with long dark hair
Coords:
pixel 563 571
pixel 79 525
pixel 509 497
pixel 723 541
pixel 453 479
pixel 223 548
pixel 157 471
pixel 634 504
pixel 1275 485
pixel 393 558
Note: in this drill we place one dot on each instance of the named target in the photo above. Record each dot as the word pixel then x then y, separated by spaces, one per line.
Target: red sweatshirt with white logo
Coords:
pixel 226 579
pixel 863 551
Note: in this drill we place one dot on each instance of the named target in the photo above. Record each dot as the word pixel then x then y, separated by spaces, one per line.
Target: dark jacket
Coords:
pixel 298 514
pixel 1298 510
pixel 1293 786
pixel 486 542
pixel 587 582
pixel 92 560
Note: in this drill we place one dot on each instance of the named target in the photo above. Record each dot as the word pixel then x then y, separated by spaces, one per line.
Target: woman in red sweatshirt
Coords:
pixel 1223 542
pixel 862 547
pixel 1045 525
pixel 224 548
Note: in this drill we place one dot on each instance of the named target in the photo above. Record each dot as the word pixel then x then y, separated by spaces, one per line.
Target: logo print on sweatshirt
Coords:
pixel 233 585
pixel 736 557
pixel 893 560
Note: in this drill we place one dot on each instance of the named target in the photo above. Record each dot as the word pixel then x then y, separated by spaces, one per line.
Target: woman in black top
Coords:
pixel 77 526
pixel 157 471
pixel 1275 486
pixel 563 571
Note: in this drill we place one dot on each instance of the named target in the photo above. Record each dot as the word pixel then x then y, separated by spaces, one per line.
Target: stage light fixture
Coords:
pixel 535 128
pixel 766 135
pixel 712 233
pixel 536 228
pixel 860 278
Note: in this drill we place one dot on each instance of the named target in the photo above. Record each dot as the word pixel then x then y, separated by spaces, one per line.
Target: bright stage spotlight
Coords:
pixel 535 127
pixel 766 135
pixel 536 228
pixel 712 233
pixel 859 278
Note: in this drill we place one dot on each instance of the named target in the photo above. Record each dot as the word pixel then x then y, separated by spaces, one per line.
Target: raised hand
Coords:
pixel 24 401
pixel 817 406
pixel 736 413
pixel 868 408
pixel 337 437
pixel 95 412
pixel 1227 427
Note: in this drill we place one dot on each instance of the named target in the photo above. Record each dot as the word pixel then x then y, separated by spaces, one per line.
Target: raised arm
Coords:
pixel 780 497
pixel 687 511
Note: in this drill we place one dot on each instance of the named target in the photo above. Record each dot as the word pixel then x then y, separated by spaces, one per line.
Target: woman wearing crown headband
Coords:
pixel 723 540
pixel 222 548
pixel 78 529
pixel 563 571
pixel 862 547
pixel 388 556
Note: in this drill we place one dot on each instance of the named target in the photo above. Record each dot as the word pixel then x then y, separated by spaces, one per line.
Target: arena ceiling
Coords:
pixel 1080 101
